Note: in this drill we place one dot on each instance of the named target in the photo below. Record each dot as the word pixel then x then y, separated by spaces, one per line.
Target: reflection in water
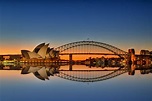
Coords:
pixel 40 71
pixel 87 74
pixel 143 69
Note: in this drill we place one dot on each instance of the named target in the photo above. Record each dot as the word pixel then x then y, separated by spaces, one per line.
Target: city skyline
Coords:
pixel 121 23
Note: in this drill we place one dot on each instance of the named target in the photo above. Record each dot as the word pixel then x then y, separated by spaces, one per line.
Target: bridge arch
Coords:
pixel 108 47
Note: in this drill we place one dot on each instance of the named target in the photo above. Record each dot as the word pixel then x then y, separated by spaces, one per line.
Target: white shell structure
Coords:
pixel 41 51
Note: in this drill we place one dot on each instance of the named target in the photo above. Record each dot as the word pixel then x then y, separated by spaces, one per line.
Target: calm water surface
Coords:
pixel 15 86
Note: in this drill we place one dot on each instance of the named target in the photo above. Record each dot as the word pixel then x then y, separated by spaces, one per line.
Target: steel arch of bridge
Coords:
pixel 108 47
pixel 95 79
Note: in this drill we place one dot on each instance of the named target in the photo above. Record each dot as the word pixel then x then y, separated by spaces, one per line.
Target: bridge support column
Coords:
pixel 70 67
pixel 70 62
pixel 90 62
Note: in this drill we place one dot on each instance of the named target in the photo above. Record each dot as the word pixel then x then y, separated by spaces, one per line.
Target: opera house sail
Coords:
pixel 41 51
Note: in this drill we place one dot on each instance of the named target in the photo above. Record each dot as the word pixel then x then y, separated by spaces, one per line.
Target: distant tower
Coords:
pixel 132 56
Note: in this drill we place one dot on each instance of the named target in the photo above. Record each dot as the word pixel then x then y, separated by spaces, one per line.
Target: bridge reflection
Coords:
pixel 79 73
pixel 83 75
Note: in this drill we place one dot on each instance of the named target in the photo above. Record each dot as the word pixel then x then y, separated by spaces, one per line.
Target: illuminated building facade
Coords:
pixel 42 51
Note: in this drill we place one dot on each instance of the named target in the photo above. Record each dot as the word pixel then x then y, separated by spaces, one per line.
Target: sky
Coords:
pixel 121 23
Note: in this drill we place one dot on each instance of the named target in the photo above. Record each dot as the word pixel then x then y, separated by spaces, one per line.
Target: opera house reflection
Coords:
pixel 41 72
pixel 79 73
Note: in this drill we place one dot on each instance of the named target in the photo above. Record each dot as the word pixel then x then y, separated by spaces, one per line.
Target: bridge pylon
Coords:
pixel 70 62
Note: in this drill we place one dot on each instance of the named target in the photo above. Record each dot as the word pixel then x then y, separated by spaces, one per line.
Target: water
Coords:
pixel 15 86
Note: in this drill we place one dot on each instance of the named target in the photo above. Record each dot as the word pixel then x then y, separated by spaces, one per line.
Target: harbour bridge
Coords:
pixel 90 48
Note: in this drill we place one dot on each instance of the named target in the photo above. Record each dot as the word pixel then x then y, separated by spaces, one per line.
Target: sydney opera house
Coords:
pixel 42 51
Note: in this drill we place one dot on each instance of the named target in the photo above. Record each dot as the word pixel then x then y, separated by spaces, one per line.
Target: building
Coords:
pixel 41 51
pixel 10 57
pixel 145 57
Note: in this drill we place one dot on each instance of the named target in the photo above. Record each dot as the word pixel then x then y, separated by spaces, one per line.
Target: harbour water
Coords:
pixel 82 83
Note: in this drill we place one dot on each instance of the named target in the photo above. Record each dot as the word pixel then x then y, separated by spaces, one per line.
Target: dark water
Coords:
pixel 30 83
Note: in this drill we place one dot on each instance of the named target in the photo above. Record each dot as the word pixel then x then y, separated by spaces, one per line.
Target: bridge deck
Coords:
pixel 89 54
pixel 111 69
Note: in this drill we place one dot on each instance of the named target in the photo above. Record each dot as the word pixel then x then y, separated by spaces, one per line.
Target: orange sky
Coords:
pixel 83 57
pixel 17 50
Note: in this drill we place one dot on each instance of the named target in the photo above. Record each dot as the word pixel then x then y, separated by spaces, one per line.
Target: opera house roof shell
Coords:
pixel 41 51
